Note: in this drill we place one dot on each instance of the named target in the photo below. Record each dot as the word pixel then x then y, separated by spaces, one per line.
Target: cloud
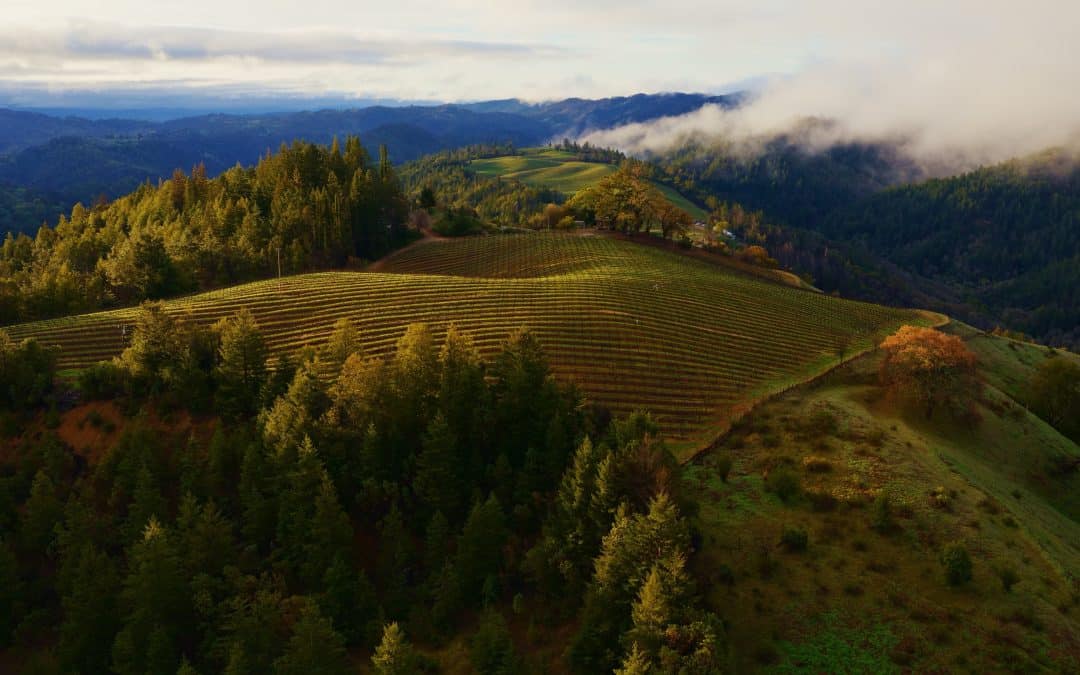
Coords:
pixel 979 83
pixel 113 42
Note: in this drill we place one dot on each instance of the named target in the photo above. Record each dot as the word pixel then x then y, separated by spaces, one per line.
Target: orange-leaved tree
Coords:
pixel 930 367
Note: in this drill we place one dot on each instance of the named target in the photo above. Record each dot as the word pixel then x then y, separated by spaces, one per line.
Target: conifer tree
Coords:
pixel 41 513
pixel 394 655
pixel 438 480
pixel 146 503
pixel 344 341
pixel 479 551
pixel 90 612
pixel 315 648
pixel 635 663
pixel 156 602
pixel 329 534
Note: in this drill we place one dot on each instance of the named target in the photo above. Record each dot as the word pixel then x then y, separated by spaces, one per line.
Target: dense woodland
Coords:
pixel 995 245
pixel 338 505
pixel 307 207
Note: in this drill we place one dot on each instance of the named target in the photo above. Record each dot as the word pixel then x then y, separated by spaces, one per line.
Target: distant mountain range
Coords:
pixel 54 162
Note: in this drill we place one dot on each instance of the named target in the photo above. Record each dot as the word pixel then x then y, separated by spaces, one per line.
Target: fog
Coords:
pixel 979 83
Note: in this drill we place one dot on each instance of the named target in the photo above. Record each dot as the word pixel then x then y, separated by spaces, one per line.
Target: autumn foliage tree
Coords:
pixel 929 367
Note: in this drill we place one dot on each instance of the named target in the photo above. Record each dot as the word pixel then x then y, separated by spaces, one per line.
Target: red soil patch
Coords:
pixel 91 429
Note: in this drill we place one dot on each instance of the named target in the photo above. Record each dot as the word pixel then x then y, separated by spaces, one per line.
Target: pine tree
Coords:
pixel 479 551
pixel 491 649
pixel 436 543
pixel 41 513
pixel 146 503
pixel 90 613
pixel 348 600
pixel 394 655
pixel 344 341
pixel 329 535
pixel 438 480
pixel 156 599
pixel 394 562
pixel 635 663
pixel 293 415
pixel 651 612
pixel 315 648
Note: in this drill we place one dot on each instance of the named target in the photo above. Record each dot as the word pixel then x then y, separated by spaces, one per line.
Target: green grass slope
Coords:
pixel 633 326
pixel 560 171
pixel 861 599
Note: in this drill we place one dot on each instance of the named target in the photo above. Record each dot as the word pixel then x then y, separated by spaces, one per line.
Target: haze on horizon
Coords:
pixel 985 80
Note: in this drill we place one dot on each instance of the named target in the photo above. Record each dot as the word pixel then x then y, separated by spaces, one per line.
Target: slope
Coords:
pixel 632 326
pixel 563 172
pixel 868 594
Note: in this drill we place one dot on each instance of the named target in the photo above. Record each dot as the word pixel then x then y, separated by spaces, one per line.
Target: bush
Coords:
pixel 102 380
pixel 794 539
pixel 723 467
pixel 815 464
pixel 957 564
pixel 1008 578
pixel 784 483
pixel 881 517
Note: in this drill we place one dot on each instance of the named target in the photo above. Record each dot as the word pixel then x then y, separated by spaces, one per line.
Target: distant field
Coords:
pixel 633 326
pixel 558 170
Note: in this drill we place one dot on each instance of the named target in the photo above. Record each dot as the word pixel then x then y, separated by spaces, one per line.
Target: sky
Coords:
pixel 981 78
pixel 450 50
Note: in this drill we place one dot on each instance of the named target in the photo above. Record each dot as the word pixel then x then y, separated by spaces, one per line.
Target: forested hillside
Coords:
pixel 998 245
pixel 306 207
pixel 421 498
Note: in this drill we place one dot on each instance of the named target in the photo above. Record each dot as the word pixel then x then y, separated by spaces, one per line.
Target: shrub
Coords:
pixel 957 564
pixel 723 467
pixel 1008 578
pixel 794 539
pixel 821 500
pixel 102 380
pixel 784 483
pixel 881 516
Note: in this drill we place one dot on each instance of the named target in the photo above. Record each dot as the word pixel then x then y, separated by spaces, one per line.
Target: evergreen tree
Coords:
pixel 156 602
pixel 146 503
pixel 344 341
pixel 394 655
pixel 491 649
pixel 329 534
pixel 41 514
pixel 438 481
pixel 90 613
pixel 293 415
pixel 635 663
pixel 348 600
pixel 479 550
pixel 393 564
pixel 315 648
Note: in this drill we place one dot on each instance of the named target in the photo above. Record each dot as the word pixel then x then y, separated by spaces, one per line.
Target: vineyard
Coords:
pixel 632 326
pixel 560 171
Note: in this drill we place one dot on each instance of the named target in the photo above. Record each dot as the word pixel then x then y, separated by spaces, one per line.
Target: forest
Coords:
pixel 996 245
pixel 337 505
pixel 307 207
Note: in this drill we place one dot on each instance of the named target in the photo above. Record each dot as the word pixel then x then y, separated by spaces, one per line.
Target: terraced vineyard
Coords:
pixel 560 170
pixel 633 326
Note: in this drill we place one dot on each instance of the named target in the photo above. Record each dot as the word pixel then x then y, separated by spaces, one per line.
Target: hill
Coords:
pixel 994 246
pixel 75 159
pixel 563 172
pixel 867 592
pixel 633 326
